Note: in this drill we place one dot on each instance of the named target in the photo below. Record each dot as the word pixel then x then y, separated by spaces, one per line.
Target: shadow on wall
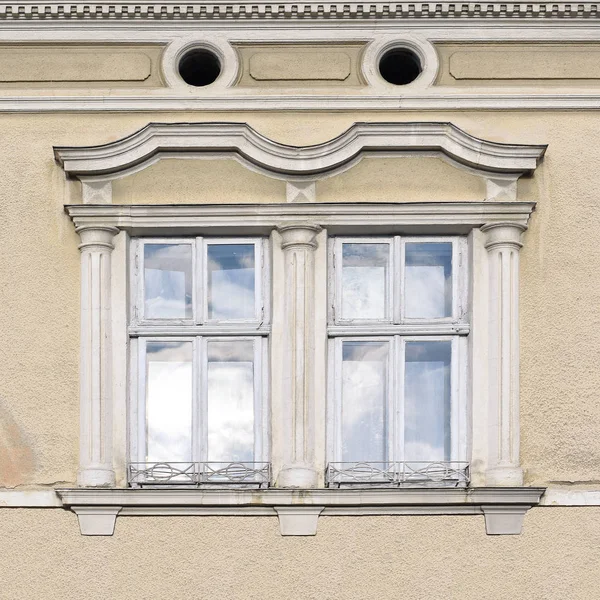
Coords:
pixel 16 456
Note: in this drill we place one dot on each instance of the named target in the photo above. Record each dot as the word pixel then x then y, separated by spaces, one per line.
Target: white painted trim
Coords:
pixel 337 218
pixel 159 139
pixel 436 99
pixel 383 43
pixel 48 498
pixel 218 44
pixel 289 10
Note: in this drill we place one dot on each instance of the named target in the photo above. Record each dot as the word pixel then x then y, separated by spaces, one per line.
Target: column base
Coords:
pixel 504 476
pixel 96 477
pixel 297 476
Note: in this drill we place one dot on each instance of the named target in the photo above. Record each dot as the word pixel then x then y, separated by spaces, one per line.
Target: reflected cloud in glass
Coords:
pixel 428 280
pixel 427 396
pixel 364 280
pixel 231 280
pixel 231 401
pixel 168 281
pixel 168 401
pixel 364 401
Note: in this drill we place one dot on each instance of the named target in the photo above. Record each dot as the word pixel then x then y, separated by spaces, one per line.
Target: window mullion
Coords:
pixel 397 278
pixel 200 400
pixel 199 284
pixel 399 357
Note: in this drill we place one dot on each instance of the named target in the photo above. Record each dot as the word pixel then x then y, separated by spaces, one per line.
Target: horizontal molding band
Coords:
pixel 193 330
pixel 289 497
pixel 194 11
pixel 296 102
pixel 49 498
pixel 443 217
pixel 404 329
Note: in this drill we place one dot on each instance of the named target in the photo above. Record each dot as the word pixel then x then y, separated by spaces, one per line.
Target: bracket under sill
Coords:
pixel 298 511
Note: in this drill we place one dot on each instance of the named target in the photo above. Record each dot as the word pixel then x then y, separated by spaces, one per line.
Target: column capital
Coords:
pixel 299 235
pixel 96 236
pixel 506 233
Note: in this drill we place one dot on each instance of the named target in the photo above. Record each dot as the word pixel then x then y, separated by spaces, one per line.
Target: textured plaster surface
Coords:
pixel 514 64
pixel 421 558
pixel 560 290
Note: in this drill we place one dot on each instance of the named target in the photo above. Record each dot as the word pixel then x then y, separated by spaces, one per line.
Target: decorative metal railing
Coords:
pixel 398 474
pixel 195 474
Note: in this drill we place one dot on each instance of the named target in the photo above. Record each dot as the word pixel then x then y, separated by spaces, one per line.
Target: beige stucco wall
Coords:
pixel 560 294
pixel 418 558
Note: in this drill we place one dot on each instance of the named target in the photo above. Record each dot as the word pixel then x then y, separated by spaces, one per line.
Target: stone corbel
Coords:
pixel 298 520
pixel 96 520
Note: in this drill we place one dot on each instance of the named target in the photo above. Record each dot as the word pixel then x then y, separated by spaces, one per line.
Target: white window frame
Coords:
pixel 199 330
pixel 397 331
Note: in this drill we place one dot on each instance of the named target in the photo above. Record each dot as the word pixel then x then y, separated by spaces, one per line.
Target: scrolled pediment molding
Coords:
pixel 239 140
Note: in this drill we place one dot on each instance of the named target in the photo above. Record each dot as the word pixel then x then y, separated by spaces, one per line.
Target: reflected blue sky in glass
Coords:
pixel 364 280
pixel 427 396
pixel 169 401
pixel 168 281
pixel 364 401
pixel 231 280
pixel 428 280
pixel 230 376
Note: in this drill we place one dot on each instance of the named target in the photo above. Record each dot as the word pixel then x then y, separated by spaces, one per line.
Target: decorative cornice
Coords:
pixel 158 139
pixel 200 11
pixel 448 217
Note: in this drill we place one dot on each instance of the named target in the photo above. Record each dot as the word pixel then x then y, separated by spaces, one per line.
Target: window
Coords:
pixel 397 391
pixel 199 320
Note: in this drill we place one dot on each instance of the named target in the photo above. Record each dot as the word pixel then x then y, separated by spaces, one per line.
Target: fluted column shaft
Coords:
pixel 297 360
pixel 95 438
pixel 503 243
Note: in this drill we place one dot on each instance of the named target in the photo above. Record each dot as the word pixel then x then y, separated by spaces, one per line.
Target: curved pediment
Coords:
pixel 239 140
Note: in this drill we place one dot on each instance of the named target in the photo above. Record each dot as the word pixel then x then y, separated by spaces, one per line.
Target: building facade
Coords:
pixel 299 300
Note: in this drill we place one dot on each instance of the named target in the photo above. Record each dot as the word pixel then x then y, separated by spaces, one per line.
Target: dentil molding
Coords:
pixel 195 11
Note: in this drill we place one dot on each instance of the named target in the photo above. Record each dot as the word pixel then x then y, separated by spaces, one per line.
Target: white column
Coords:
pixel 298 242
pixel 95 435
pixel 503 243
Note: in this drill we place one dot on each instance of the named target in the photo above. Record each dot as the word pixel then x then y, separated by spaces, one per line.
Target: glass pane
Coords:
pixel 428 280
pixel 231 401
pixel 364 401
pixel 364 280
pixel 231 274
pixel 427 398
pixel 168 281
pixel 169 401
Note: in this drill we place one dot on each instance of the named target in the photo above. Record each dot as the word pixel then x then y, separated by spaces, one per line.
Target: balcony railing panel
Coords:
pixel 195 474
pixel 398 474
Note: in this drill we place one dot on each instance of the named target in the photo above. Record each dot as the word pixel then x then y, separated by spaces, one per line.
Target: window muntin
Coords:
pixel 397 395
pixel 199 376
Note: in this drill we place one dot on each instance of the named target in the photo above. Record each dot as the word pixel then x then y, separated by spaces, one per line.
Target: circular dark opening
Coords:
pixel 400 66
pixel 199 67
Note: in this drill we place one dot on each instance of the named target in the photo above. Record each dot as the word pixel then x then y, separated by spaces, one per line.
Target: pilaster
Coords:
pixel 298 243
pixel 503 243
pixel 95 438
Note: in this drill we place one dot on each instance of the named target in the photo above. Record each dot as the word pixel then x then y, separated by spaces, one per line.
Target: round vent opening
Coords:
pixel 400 66
pixel 199 67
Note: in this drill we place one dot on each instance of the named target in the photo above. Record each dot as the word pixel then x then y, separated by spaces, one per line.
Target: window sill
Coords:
pixel 298 511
